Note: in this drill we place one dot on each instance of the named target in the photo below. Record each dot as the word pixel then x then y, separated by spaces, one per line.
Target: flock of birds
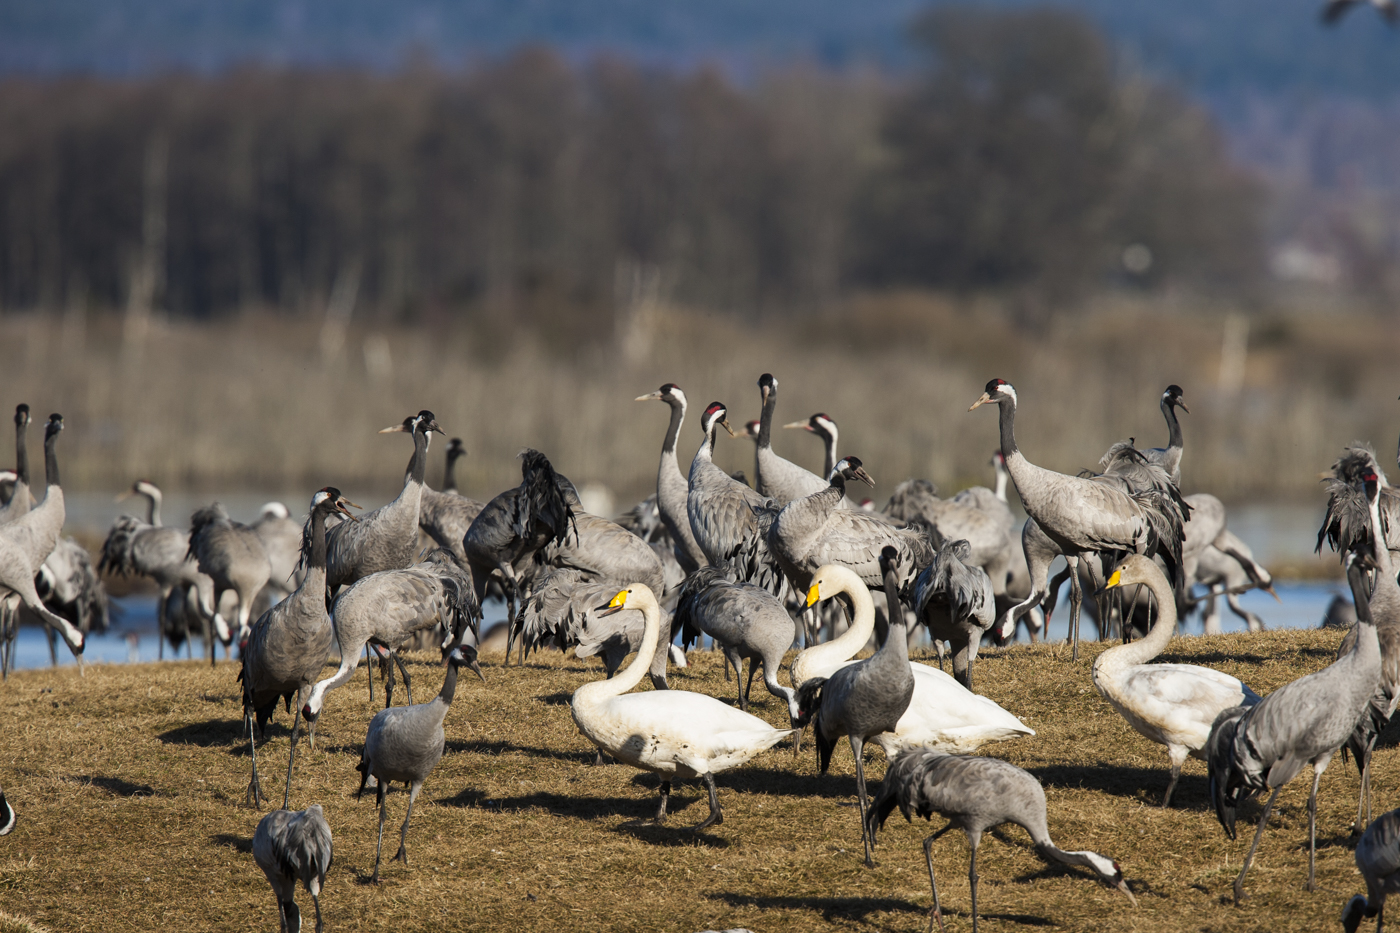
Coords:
pixel 792 559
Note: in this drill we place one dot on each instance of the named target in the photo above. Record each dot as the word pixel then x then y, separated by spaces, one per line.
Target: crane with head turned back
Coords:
pixel 1264 746
pixel 975 795
pixel 1082 516
pixel 672 487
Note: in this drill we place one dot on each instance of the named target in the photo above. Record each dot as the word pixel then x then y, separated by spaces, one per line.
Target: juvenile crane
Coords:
pixel 292 846
pixel 975 795
pixel 405 743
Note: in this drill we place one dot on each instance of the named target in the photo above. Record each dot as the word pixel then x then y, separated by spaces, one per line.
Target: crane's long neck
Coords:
pixel 449 477
pixel 894 653
pixel 1006 421
pixel 1051 852
pixel 418 465
pixel 631 675
pixel 765 420
pixel 316 560
pixel 50 460
pixel 449 685
pixel 153 499
pixel 1144 649
pixel 1385 598
pixel 22 451
pixel 673 430
pixel 1173 426
pixel 829 439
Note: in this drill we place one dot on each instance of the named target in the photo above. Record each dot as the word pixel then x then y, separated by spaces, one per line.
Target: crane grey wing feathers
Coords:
pixel 970 791
pixel 950 582
pixel 782 480
pixel 445 517
pixel 605 550
pixel 729 521
pixel 404 743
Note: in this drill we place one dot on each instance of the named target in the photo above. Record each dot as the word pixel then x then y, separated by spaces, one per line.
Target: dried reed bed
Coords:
pixel 255 403
pixel 129 786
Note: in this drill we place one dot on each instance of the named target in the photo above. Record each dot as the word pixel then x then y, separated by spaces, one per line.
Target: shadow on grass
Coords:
pixel 242 844
pixel 671 833
pixel 751 780
pixel 1147 784
pixel 497 748
pixel 1214 657
pixel 556 699
pixel 116 786
pixel 209 734
pixel 583 808
pixel 831 908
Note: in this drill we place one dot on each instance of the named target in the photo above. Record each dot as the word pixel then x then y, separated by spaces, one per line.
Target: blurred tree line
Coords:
pixel 1018 158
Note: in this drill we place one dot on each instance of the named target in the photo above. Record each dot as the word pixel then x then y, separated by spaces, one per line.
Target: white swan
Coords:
pixel 674 733
pixel 943 713
pixel 1171 704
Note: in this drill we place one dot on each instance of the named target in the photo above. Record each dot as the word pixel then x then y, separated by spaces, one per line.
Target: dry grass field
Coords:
pixel 129 785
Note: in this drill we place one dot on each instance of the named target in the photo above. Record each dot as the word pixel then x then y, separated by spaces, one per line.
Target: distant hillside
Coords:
pixel 1215 47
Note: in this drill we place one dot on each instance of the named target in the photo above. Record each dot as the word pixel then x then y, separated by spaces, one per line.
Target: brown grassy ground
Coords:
pixel 129 786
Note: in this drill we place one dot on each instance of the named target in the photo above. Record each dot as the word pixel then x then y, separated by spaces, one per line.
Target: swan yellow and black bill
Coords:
pixel 618 601
pixel 813 596
pixel 1114 580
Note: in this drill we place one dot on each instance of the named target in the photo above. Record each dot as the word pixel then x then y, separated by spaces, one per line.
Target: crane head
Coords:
pixel 767 385
pixel 751 429
pixel 426 422
pixel 21 415
pixel 1172 396
pixel 996 391
pixel 715 414
pixel 852 468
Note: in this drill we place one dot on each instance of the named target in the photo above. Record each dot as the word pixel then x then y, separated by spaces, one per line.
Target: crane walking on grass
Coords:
pixel 975 795
pixel 292 846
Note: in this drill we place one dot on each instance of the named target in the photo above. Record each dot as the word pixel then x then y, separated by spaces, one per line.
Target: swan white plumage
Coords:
pixel 672 733
pixel 1171 704
pixel 943 713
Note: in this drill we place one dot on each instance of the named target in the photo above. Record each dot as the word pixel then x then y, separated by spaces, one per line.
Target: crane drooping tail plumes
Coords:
pixel 954 599
pixel 290 847
pixel 1346 527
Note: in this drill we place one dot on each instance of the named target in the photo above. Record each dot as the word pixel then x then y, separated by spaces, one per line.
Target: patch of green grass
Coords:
pixel 129 786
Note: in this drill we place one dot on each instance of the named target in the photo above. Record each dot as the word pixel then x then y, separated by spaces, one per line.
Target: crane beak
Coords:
pixel 798 424
pixel 476 667
pixel 1270 590
pixel 393 429
pixel 860 474
pixel 725 424
pixel 122 497
pixel 340 506
pixel 649 397
pixel 980 402
pixel 1123 886
pixel 1183 407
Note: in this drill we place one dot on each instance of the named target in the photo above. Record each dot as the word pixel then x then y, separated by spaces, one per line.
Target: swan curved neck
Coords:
pixel 643 599
pixel 1156 641
pixel 846 645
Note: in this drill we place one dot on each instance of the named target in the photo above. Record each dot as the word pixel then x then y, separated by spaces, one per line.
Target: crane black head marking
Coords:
pixel 1174 391
pixel 995 385
pixel 890 555
pixel 456 444
pixel 21 413
pixel 767 382
pixel 669 388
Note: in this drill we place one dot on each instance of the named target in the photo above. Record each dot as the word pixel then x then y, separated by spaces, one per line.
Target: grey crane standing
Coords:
pixel 1385 613
pixel 157 551
pixel 445 516
pixel 672 487
pixel 863 699
pixel 289 643
pixel 291 846
pixel 281 536
pixel 824 427
pixel 389 607
pixel 512 527
pixel 1378 858
pixel 1347 524
pixel 405 743
pixel 1169 457
pixel 815 531
pixel 1082 516
pixel 722 513
pixel 1264 746
pixel 19 498
pixel 1228 568
pixel 746 621
pixel 387 537
pixel 954 600
pixel 976 794
pixel 233 556
pixel 776 477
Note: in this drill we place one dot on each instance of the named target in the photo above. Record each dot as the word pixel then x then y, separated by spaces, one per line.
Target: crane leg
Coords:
pixel 316 900
pixel 1076 596
pixel 254 793
pixel 379 846
pixel 716 814
pixel 1312 831
pixel 937 912
pixel 1258 835
pixel 661 808
pixel 857 746
pixel 972 876
pixel 292 757
pixel 744 697
pixel 407 684
pixel 402 854
pixel 369 669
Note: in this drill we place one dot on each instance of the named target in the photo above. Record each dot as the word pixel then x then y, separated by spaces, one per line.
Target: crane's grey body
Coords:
pixel 672 487
pixel 386 538
pixel 445 516
pixel 389 607
pixel 975 794
pixel 36 532
pixel 863 699
pixel 505 535
pixel 954 599
pixel 405 743
pixel 746 621
pixel 1086 515
pixel 232 555
pixel 1346 527
pixel 1303 722
pixel 824 427
pixel 20 499
pixel 988 534
pixel 281 537
pixel 290 643
pixel 1229 572
pixel 1169 457
pixel 730 521
pixel 814 531
pixel 290 847
pixel 1378 859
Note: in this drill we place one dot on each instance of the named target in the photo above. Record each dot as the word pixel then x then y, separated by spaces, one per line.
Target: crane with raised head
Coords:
pixel 672 486
pixel 20 499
